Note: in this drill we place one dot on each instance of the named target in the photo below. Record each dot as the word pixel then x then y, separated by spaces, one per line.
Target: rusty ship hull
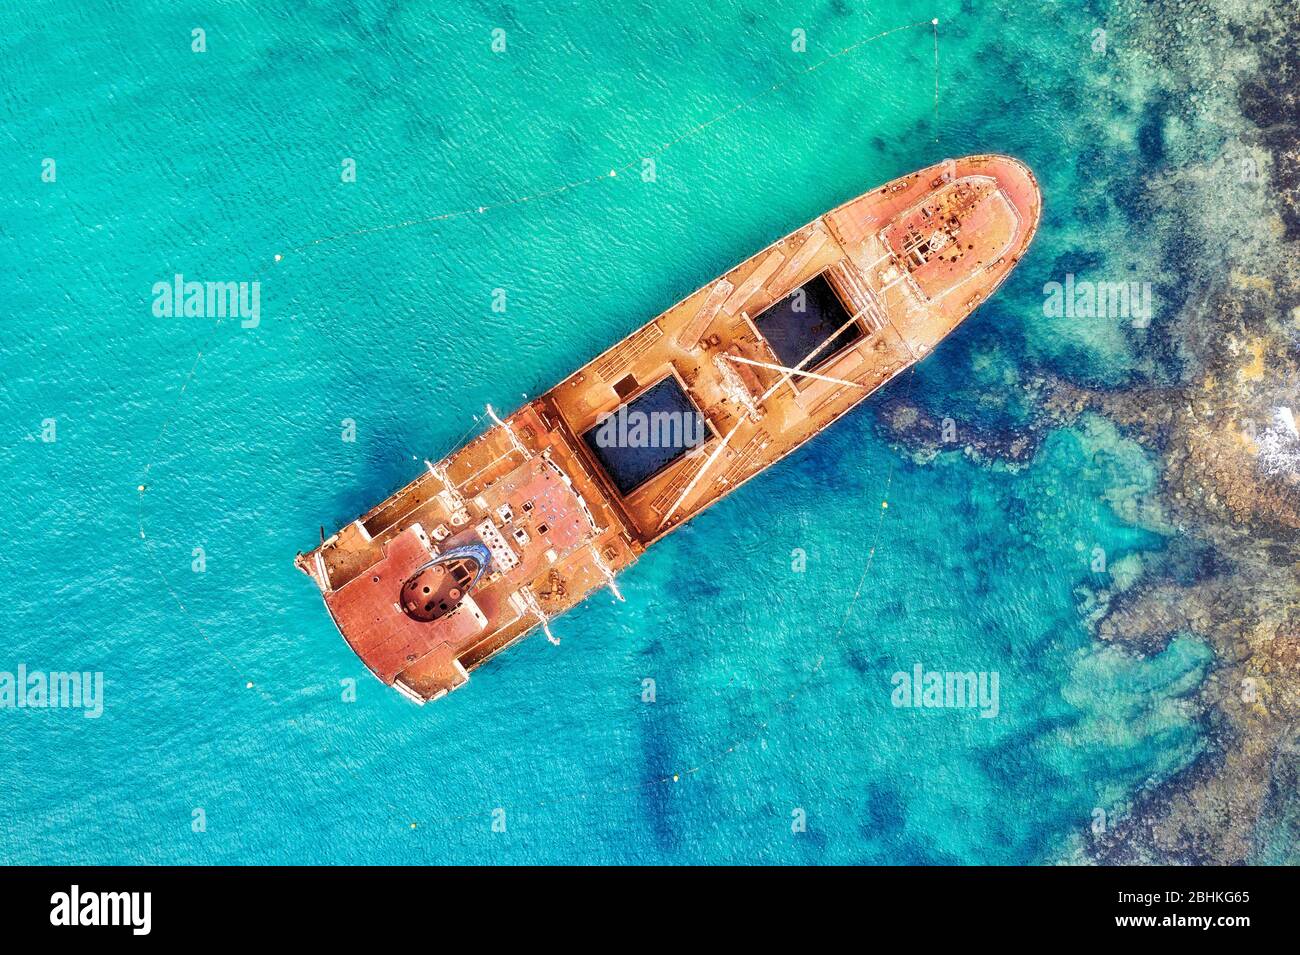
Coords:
pixel 762 359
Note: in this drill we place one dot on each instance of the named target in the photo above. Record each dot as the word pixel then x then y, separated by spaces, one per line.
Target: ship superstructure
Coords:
pixel 551 503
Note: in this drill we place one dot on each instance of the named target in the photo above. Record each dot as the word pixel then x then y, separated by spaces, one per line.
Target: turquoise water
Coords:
pixel 768 699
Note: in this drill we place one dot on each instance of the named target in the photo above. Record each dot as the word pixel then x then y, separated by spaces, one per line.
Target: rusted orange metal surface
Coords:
pixel 908 261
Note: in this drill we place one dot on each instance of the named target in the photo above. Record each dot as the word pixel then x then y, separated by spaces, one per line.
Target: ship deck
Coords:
pixel 894 271
pixel 901 303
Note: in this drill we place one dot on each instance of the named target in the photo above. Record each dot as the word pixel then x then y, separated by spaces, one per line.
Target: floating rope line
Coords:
pixel 626 167
pixel 935 23
pixel 575 796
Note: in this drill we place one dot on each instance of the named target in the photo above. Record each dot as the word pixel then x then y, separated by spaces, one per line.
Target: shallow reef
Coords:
pixel 1224 430
pixel 1213 394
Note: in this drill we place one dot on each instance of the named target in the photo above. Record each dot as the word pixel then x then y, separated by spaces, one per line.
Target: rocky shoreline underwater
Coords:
pixel 1213 399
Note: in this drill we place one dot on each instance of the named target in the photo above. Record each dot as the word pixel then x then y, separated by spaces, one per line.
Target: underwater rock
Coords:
pixel 926 436
pixel 1229 480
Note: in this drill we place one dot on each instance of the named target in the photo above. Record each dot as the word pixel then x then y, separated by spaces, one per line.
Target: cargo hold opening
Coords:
pixel 645 435
pixel 801 321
